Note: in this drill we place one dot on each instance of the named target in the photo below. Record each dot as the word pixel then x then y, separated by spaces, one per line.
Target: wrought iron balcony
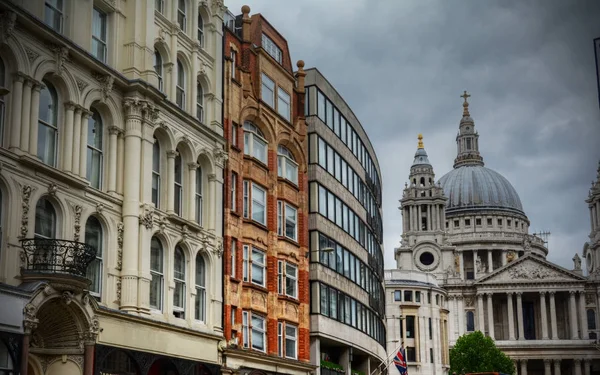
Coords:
pixel 51 257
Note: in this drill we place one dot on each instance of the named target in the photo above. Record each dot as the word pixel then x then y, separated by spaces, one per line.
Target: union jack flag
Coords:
pixel 400 361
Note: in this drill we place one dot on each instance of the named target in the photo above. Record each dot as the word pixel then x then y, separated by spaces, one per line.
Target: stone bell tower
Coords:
pixel 423 216
pixel 591 249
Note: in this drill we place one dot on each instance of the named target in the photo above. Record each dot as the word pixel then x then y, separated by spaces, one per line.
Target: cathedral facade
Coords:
pixel 469 230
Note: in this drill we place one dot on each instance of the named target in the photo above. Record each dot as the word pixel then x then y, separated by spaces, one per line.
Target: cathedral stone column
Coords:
pixel 192 192
pixel 523 367
pixel 480 319
pixel 503 257
pixel 76 139
pixel 520 316
pixel 171 154
pixel 15 112
pixel 573 315
pixel 33 120
pixel 460 311
pixel 544 315
pixel 475 264
pixel 490 308
pixel 553 322
pixel 557 367
pixel 511 317
pixel 462 265
pixel 490 262
pixel 67 160
pixel 113 132
pixel 587 366
pixel 85 114
pixel 577 366
pixel 582 316
pixel 547 368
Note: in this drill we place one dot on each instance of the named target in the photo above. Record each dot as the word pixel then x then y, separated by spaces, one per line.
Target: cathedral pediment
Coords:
pixel 530 269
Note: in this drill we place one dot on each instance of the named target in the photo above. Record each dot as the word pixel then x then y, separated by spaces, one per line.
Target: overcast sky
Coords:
pixel 402 65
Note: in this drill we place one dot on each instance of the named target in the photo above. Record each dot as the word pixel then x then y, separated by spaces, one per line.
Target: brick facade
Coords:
pixel 242 103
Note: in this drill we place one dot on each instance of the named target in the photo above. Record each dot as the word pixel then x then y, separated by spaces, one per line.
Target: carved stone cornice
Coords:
pixel 8 20
pixel 106 84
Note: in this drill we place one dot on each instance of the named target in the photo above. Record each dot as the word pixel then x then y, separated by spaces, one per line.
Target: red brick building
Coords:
pixel 266 296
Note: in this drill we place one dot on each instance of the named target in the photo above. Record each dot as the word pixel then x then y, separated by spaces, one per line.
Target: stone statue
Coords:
pixel 457 264
pixel 480 265
pixel 576 262
pixel 510 256
pixel 526 243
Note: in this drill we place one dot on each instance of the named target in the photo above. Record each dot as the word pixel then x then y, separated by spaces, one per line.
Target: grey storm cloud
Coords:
pixel 402 65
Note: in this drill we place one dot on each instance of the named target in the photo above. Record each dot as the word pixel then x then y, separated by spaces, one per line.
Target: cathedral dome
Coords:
pixel 471 187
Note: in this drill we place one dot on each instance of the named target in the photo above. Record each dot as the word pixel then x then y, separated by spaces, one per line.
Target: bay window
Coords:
pixel 179 279
pixel 287 339
pixel 287 279
pixel 287 220
pixel 255 202
pixel 268 90
pixel 157 274
pixel 255 144
pixel 286 165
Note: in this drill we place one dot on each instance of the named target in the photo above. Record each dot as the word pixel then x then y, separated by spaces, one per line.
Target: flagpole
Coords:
pixel 387 360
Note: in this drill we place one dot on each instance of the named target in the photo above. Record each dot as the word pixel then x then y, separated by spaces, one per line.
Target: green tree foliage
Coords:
pixel 476 353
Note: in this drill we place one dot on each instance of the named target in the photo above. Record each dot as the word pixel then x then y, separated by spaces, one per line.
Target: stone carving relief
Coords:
pixel 456 263
pixel 589 299
pixel 291 311
pixel 258 299
pixel 106 84
pixel 526 243
pixel 220 156
pixel 480 266
pixel 469 301
pixel 120 228
pixel 67 297
pixel 8 20
pixel 52 189
pixel 510 256
pixel 118 301
pixel 31 54
pixel 218 250
pixel 81 84
pixel 530 271
pixel 25 196
pixel 61 54
pixel 77 226
pixel 218 7
pixel 146 217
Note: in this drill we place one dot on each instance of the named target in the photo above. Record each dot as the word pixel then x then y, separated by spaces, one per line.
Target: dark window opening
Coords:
pixel 427 258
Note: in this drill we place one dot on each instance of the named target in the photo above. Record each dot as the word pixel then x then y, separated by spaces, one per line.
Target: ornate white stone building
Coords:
pixel 111 160
pixel 469 230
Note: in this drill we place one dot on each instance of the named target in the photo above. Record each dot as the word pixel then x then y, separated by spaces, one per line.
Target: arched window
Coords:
pixel 470 321
pixel 94 149
pixel 200 30
pixel 180 97
pixel 200 104
pixel 178 184
pixel 45 219
pixel 158 68
pixel 200 313
pixel 157 274
pixel 181 15
pixel 93 237
pixel 47 124
pixel 2 102
pixel 53 14
pixel 255 144
pixel 179 278
pixel 199 195
pixel 286 165
pixel 156 173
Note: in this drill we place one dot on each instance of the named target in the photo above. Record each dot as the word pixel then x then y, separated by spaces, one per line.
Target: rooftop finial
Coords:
pixel 420 137
pixel 465 104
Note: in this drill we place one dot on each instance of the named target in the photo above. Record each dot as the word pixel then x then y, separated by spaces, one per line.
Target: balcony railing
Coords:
pixel 52 256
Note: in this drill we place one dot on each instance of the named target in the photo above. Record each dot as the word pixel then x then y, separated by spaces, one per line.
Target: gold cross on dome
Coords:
pixel 465 96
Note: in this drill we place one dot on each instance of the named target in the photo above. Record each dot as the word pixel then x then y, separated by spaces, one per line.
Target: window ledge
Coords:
pixel 289 240
pixel 256 224
pixel 236 81
pixel 234 213
pixel 283 297
pixel 258 163
pixel 288 182
pixel 235 148
pixel 234 279
pixel 53 172
pixel 251 285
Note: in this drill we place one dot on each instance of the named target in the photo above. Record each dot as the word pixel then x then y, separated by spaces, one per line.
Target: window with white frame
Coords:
pixel 199 205
pixel 93 237
pixel 233 203
pixel 268 90
pixel 234 133
pixel 159 5
pixel 287 220
pixel 287 279
pixel 254 265
pixel 181 14
pixel 233 64
pixel 255 202
pixel 178 185
pixel 180 89
pixel 255 143
pixel 283 103
pixel 94 149
pixel 53 15
pixel 233 256
pixel 269 45
pixel 200 104
pixel 287 339
pixel 286 164
pixel 2 102
pixel 254 331
pixel 99 35
pixel 156 273
pixel 179 278
pixel 200 30
pixel 156 173
pixel 158 68
pixel 200 306
pixel 47 124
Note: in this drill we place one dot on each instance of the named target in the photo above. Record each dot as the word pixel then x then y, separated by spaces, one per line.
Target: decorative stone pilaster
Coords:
pixel 15 121
pixel 557 366
pixel 113 132
pixel 577 366
pixel 553 322
pixel 520 316
pixel 33 120
pixel 573 315
pixel 26 115
pixel 547 366
pixel 511 316
pixel 480 318
pixel 544 315
pixel 523 367
pixel 490 308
